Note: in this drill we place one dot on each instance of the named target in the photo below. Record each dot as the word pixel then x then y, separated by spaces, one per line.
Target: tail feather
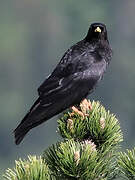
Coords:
pixel 21 131
pixel 33 118
pixel 37 115
pixel 19 136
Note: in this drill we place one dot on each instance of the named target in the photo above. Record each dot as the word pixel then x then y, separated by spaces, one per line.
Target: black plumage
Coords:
pixel 79 70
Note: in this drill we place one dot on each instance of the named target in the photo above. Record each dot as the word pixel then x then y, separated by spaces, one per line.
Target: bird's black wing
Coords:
pixel 58 96
pixel 73 77
pixel 69 83
pixel 63 69
pixel 59 91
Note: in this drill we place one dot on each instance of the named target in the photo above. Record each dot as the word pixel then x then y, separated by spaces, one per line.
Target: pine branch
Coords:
pixel 126 163
pixel 91 121
pixel 89 151
pixel 72 159
pixel 90 124
pixel 32 169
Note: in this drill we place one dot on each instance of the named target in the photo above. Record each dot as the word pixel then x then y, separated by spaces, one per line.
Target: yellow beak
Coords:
pixel 98 30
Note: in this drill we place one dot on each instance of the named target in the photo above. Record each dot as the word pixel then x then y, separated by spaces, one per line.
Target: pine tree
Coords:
pixel 89 150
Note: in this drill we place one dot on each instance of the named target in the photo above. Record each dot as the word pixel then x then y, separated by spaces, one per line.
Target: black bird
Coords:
pixel 77 73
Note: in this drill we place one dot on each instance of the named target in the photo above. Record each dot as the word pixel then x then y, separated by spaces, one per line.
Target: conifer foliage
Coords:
pixel 88 151
pixel 32 169
pixel 126 163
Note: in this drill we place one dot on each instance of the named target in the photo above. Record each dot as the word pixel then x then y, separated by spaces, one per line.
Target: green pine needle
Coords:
pixel 92 136
pixel 32 169
pixel 77 160
pixel 126 163
pixel 94 123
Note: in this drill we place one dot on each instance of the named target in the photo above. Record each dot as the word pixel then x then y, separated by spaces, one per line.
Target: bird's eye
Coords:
pixel 98 29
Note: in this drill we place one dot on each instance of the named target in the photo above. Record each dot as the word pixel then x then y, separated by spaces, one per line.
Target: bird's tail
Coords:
pixel 23 128
pixel 37 115
pixel 21 131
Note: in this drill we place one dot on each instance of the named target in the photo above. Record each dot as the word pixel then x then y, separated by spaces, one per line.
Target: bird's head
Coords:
pixel 97 31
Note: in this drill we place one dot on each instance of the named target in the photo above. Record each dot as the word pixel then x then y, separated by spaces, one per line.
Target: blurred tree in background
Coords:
pixel 33 37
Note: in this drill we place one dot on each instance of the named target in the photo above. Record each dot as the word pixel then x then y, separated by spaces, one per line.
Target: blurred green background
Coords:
pixel 34 34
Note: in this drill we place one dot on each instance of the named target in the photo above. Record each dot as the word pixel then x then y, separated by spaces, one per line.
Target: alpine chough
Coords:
pixel 75 76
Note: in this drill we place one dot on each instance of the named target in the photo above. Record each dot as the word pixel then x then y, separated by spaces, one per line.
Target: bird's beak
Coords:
pixel 98 30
